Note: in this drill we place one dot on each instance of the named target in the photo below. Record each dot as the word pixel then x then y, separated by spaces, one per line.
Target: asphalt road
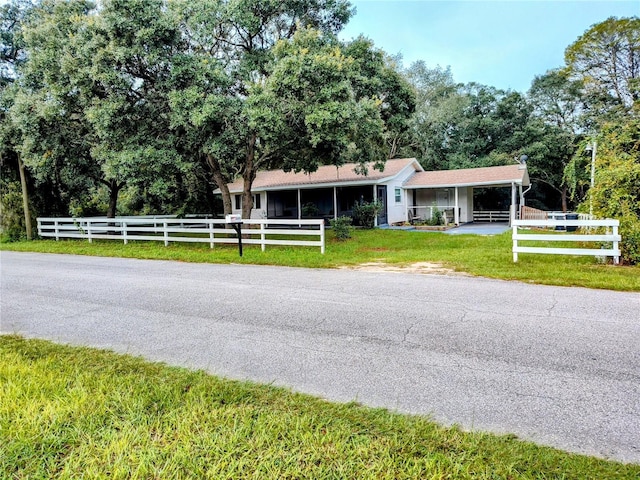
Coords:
pixel 560 366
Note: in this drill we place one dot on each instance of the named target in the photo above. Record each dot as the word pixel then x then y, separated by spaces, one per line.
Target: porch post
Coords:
pixel 299 206
pixel 512 215
pixel 456 213
pixel 521 197
pixel 335 203
pixel 375 197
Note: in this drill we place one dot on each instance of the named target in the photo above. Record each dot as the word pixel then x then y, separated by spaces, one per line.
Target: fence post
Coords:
pixel 55 226
pixel 514 236
pixel 123 226
pixel 89 230
pixel 616 258
pixel 263 245
pixel 165 233
pixel 211 235
pixel 322 237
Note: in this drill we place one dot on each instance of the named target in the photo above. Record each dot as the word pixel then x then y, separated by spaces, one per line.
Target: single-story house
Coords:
pixel 404 188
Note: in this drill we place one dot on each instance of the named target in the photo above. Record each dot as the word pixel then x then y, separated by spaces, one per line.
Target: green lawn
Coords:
pixel 488 256
pixel 70 412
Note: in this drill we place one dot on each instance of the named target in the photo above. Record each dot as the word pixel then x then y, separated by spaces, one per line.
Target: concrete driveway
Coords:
pixel 560 366
pixel 479 229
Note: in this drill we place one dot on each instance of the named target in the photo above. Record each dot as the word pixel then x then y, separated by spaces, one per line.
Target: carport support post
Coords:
pixel 335 203
pixel 521 198
pixel 456 214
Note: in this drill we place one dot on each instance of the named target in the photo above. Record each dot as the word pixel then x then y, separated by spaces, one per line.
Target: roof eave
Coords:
pixel 504 183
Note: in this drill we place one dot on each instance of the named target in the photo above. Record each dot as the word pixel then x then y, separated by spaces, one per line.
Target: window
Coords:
pixel 398 193
pixel 256 201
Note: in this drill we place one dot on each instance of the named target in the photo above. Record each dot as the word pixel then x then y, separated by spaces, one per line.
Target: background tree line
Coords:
pixel 148 106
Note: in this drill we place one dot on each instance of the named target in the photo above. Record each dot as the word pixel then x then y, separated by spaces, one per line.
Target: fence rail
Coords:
pixel 491 216
pixel 200 230
pixel 611 236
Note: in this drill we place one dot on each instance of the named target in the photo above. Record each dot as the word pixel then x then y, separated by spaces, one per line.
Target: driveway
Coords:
pixel 560 366
pixel 479 229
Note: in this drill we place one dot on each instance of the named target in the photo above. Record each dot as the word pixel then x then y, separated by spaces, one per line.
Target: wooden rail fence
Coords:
pixel 611 236
pixel 201 230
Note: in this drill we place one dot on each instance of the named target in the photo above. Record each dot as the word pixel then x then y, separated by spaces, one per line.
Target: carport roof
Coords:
pixel 470 177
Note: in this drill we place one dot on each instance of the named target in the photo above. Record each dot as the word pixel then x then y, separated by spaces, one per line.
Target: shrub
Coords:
pixel 310 210
pixel 364 213
pixel 12 224
pixel 436 219
pixel 342 227
pixel 630 244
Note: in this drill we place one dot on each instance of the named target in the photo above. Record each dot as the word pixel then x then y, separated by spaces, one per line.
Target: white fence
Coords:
pixel 611 236
pixel 202 230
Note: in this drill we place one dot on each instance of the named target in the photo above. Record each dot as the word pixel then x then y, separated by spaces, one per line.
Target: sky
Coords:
pixel 501 43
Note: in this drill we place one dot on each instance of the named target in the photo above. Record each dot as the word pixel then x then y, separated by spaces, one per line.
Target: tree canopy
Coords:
pixel 143 106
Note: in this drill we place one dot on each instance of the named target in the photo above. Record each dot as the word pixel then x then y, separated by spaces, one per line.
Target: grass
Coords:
pixel 68 412
pixel 487 256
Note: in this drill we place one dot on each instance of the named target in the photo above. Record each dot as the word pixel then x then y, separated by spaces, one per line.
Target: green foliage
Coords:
pixel 436 218
pixel 310 210
pixel 365 213
pixel 342 227
pixel 616 193
pixel 12 225
pixel 605 59
pixel 222 95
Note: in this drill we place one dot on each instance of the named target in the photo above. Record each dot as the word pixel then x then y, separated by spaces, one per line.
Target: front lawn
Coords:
pixel 69 412
pixel 488 256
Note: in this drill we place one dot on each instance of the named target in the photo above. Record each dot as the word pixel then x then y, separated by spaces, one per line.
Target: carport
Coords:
pixel 451 191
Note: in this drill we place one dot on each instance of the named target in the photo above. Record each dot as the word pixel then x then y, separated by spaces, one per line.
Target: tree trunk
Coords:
pixel 25 197
pixel 563 196
pixel 221 182
pixel 248 176
pixel 114 190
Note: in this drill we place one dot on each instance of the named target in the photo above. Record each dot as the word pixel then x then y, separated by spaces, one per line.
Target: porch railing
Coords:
pixel 426 212
pixel 491 216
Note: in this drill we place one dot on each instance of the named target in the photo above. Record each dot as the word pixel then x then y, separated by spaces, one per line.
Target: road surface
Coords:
pixel 560 366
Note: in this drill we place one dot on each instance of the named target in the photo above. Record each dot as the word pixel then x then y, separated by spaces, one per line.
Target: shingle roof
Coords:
pixel 469 177
pixel 327 174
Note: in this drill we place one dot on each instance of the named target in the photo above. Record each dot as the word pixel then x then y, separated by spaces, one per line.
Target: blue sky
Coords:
pixel 504 44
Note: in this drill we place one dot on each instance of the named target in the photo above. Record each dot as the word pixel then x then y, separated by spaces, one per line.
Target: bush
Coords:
pixel 436 219
pixel 310 210
pixel 12 224
pixel 630 244
pixel 342 227
pixel 365 213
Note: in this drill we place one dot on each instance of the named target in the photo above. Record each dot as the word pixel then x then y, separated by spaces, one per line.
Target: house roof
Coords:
pixel 468 177
pixel 326 175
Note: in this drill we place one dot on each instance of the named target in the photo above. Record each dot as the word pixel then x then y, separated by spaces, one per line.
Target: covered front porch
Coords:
pixel 328 203
pixel 450 194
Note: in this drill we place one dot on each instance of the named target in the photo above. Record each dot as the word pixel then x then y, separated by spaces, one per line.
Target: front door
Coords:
pixel 381 193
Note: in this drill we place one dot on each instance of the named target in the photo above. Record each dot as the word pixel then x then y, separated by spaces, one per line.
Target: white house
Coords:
pixel 404 188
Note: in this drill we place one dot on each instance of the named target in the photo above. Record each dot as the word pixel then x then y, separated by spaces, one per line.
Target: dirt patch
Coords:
pixel 373 249
pixel 418 267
